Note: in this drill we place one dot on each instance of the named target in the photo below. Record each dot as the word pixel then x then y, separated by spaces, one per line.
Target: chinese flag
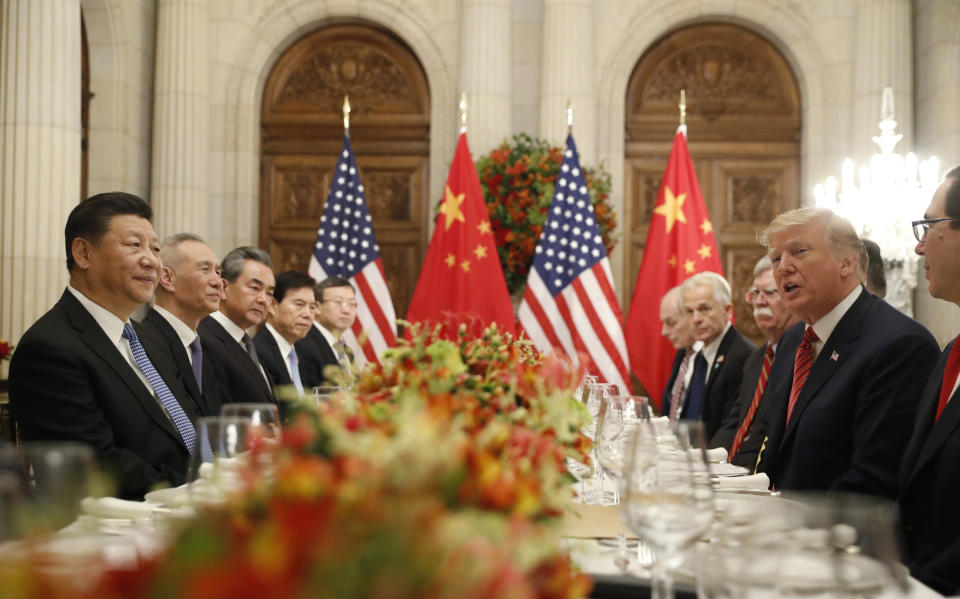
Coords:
pixel 462 280
pixel 680 243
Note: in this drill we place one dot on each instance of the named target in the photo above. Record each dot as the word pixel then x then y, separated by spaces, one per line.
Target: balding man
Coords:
pixel 714 380
pixel 676 328
pixel 745 427
pixel 188 292
pixel 845 380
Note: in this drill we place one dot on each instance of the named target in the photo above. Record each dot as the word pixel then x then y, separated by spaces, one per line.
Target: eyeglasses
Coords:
pixel 754 294
pixel 920 227
pixel 352 304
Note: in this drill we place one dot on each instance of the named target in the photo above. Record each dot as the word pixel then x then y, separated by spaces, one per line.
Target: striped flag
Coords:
pixel 570 303
pixel 346 248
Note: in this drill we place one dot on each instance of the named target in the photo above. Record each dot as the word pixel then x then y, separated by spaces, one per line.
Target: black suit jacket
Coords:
pixel 854 415
pixel 269 353
pixel 239 379
pixel 315 355
pixel 747 456
pixel 929 487
pixel 723 385
pixel 668 390
pixel 68 382
pixel 164 335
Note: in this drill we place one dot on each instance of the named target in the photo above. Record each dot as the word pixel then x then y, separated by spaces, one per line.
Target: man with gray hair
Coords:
pixel 189 290
pixel 677 328
pixel 745 427
pixel 247 293
pixel 714 380
pixel 845 380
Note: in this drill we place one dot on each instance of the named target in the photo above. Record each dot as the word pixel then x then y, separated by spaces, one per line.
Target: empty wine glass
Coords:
pixel 264 417
pixel 323 393
pixel 228 439
pixel 667 497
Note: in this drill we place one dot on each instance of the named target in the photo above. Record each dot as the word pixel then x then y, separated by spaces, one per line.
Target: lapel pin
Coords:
pixel 719 359
pixel 834 356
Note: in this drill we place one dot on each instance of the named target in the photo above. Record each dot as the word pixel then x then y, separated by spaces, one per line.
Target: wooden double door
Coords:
pixel 743 120
pixel 302 136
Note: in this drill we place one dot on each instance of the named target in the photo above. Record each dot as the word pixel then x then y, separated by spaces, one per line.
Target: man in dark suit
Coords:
pixel 287 322
pixel 677 328
pixel 248 282
pixel 81 372
pixel 334 313
pixel 845 380
pixel 930 470
pixel 714 380
pixel 188 292
pixel 745 427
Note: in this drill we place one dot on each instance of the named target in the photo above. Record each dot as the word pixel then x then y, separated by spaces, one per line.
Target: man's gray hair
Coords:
pixel 232 264
pixel 170 254
pixel 721 289
pixel 839 233
pixel 762 266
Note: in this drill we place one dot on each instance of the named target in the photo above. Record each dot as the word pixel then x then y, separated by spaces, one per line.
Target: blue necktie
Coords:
pixel 697 388
pixel 196 361
pixel 180 419
pixel 295 369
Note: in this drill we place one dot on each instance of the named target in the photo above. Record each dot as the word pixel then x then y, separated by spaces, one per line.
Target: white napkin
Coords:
pixel 726 469
pixel 111 507
pixel 716 455
pixel 753 482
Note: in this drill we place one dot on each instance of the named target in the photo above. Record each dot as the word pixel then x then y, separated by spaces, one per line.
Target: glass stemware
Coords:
pixel 264 417
pixel 228 439
pixel 667 495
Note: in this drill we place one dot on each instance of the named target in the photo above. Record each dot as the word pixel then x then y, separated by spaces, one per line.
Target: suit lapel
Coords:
pixel 92 335
pixel 720 359
pixel 835 351
pixel 179 353
pixel 236 352
pixel 934 434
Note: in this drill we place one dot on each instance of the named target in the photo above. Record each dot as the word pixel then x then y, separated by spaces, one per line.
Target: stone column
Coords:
pixel 178 182
pixel 39 153
pixel 485 72
pixel 568 74
pixel 883 57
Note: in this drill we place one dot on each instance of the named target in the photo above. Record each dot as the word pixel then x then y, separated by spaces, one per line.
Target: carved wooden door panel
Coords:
pixel 743 121
pixel 302 134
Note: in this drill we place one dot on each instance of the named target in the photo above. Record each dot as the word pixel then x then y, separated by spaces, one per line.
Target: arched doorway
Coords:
pixel 302 134
pixel 743 120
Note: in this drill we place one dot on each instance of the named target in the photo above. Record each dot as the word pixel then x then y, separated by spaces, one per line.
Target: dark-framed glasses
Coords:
pixel 754 294
pixel 920 227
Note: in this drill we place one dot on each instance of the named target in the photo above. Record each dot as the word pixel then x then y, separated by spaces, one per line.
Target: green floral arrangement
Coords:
pixel 517 179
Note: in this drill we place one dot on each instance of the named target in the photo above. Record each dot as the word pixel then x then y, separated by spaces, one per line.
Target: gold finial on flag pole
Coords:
pixel 569 115
pixel 463 111
pixel 683 107
pixel 346 113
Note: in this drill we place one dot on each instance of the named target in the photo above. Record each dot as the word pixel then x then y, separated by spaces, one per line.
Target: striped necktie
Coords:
pixel 180 419
pixel 676 395
pixel 801 367
pixel 754 403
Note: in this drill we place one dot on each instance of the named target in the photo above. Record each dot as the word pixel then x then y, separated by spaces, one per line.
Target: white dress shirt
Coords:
pixel 825 326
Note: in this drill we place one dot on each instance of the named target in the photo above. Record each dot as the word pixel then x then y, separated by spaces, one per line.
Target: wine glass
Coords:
pixel 323 393
pixel 228 440
pixel 264 417
pixel 667 497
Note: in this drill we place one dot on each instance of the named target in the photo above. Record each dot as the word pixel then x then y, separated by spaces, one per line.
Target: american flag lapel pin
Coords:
pixel 718 361
pixel 834 356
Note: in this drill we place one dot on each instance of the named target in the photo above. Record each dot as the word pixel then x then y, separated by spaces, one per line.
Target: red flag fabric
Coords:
pixel 462 280
pixel 680 243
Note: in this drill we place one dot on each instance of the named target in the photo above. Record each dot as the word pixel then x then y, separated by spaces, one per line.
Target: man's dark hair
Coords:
pixel 90 219
pixel 232 264
pixel 290 280
pixel 327 284
pixel 876 278
pixel 952 201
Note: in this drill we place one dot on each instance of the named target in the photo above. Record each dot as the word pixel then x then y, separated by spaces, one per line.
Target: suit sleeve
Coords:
pixel 53 399
pixel 886 405
pixel 938 573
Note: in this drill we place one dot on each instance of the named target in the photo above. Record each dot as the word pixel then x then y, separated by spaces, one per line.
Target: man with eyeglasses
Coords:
pixel 248 283
pixel 745 427
pixel 930 470
pixel 335 311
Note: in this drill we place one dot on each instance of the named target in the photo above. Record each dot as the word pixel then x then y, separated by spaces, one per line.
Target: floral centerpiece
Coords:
pixel 441 476
pixel 517 179
pixel 5 349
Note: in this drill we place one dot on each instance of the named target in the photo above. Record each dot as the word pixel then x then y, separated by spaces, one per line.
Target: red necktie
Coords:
pixel 949 376
pixel 754 403
pixel 676 395
pixel 801 367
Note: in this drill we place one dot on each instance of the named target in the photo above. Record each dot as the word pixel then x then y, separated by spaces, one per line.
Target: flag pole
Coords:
pixel 569 117
pixel 346 114
pixel 683 112
pixel 463 112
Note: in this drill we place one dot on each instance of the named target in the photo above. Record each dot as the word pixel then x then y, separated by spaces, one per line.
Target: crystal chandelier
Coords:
pixel 882 201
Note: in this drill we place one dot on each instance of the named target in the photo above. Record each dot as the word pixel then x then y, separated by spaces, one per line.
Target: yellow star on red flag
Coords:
pixel 451 260
pixel 673 260
pixel 480 251
pixel 704 251
pixel 706 226
pixel 672 208
pixel 484 227
pixel 451 208
pixel 465 265
pixel 689 266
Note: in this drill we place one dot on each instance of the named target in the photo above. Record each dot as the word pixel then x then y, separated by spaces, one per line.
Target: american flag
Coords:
pixel 570 302
pixel 346 248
